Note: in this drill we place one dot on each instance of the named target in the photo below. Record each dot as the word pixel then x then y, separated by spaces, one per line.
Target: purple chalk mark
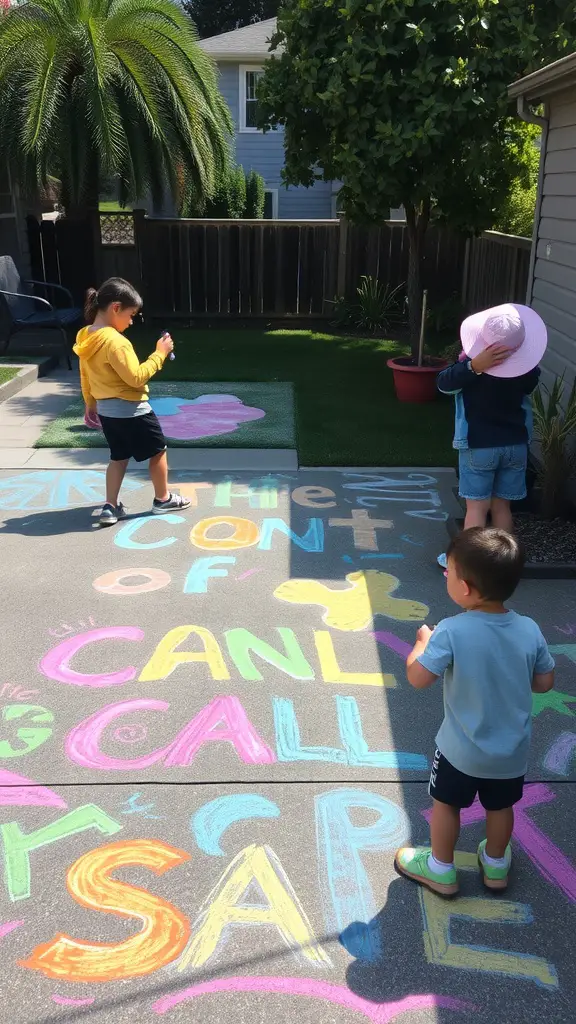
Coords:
pixel 393 642
pixel 378 1013
pixel 64 1001
pixel 559 757
pixel 10 926
pixel 18 791
pixel 208 416
pixel 552 864
pixel 249 572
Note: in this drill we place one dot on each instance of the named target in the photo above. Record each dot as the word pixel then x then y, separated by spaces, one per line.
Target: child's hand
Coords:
pixel 165 345
pixel 493 355
pixel 91 418
pixel 423 635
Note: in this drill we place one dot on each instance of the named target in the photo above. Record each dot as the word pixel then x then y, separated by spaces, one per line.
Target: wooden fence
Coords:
pixel 496 270
pixel 268 269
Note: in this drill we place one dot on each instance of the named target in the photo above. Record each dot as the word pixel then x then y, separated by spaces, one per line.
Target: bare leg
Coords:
pixel 444 830
pixel 476 513
pixel 499 826
pixel 114 477
pixel 158 468
pixel 501 514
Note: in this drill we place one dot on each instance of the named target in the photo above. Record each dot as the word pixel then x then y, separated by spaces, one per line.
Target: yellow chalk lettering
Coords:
pixel 441 950
pixel 332 673
pixel 224 907
pixel 166 658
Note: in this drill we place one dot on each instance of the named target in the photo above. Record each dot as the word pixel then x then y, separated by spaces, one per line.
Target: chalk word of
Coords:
pixel 165 934
pixel 242 646
pixel 224 719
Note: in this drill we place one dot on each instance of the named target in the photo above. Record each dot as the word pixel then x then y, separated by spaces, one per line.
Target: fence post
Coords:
pixel 465 273
pixel 94 219
pixel 342 256
pixel 139 216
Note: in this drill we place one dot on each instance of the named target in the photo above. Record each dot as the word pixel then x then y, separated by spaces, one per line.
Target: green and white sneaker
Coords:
pixel 413 863
pixel 494 878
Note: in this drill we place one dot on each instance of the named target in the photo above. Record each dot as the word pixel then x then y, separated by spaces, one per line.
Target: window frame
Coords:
pixel 274 193
pixel 242 126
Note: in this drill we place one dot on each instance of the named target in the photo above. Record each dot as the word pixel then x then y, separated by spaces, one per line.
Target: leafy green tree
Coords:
pixel 406 103
pixel 255 196
pixel 516 214
pixel 237 193
pixel 96 88
pixel 212 17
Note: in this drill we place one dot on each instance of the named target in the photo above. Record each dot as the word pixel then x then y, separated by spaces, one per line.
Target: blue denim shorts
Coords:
pixel 493 473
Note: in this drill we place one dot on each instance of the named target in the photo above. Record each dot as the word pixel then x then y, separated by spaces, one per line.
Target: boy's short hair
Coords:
pixel 489 560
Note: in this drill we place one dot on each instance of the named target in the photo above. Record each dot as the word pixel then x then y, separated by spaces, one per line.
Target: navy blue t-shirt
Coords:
pixel 491 412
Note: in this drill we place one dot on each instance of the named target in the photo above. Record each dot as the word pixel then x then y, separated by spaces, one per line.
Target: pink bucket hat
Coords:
pixel 517 327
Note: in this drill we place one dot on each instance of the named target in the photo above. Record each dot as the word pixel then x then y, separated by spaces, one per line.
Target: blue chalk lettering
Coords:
pixel 202 570
pixel 350 907
pixel 124 536
pixel 288 743
pixel 358 755
pixel 313 539
pixel 210 822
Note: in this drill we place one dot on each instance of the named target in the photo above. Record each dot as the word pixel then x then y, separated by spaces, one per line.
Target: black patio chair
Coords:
pixel 19 308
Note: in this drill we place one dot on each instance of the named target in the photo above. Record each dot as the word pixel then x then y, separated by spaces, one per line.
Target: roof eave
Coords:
pixel 540 84
pixel 238 58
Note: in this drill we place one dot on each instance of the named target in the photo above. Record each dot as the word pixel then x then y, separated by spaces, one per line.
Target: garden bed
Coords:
pixel 550 545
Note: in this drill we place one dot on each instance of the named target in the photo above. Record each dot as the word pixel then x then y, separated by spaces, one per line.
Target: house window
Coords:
pixel 271 204
pixel 249 78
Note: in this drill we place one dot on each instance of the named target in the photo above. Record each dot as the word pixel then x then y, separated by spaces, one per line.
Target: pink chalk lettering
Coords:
pixel 378 1013
pixel 82 743
pixel 238 730
pixel 56 664
pixel 10 926
pixel 552 864
pixel 18 791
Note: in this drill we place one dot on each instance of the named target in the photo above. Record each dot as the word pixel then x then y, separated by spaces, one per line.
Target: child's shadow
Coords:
pixel 398 971
pixel 83 519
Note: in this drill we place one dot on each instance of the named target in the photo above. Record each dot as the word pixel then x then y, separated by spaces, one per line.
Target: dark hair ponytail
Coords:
pixel 115 289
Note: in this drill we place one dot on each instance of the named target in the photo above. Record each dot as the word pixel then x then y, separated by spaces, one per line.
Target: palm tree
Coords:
pixel 96 88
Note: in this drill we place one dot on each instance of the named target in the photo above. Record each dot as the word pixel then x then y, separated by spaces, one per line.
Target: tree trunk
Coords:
pixel 416 225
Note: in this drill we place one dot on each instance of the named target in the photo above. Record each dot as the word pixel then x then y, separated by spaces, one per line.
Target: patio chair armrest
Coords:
pixel 35 298
pixel 54 287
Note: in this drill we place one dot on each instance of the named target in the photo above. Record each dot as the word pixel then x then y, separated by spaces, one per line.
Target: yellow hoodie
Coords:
pixel 109 366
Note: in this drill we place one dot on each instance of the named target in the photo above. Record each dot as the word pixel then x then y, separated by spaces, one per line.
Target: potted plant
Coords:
pixel 415 376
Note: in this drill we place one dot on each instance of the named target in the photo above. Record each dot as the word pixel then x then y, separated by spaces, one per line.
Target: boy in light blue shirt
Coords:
pixel 492 660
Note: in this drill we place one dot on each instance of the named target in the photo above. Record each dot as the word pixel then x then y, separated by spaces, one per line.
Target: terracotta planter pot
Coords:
pixel 415 383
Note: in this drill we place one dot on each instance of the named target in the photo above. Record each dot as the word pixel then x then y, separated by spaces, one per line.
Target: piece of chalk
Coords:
pixel 172 357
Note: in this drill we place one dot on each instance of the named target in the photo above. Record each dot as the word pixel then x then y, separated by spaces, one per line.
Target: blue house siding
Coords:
pixel 265 154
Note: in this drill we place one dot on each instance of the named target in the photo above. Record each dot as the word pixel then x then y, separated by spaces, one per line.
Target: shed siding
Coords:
pixel 554 284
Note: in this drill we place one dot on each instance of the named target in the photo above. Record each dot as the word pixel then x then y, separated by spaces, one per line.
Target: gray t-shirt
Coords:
pixel 121 409
pixel 488 662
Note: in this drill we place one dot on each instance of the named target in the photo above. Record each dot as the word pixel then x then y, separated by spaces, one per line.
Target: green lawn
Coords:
pixel 8 373
pixel 346 410
pixel 113 207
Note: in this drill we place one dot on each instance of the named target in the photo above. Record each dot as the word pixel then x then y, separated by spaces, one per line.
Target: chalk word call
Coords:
pixel 168 936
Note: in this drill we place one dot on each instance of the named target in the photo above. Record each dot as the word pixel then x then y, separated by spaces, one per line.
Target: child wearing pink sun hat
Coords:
pixel 491 382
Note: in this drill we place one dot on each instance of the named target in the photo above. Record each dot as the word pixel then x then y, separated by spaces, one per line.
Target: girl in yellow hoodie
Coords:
pixel 115 388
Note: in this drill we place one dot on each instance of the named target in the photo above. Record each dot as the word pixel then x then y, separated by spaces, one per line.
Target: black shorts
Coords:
pixel 137 437
pixel 449 786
